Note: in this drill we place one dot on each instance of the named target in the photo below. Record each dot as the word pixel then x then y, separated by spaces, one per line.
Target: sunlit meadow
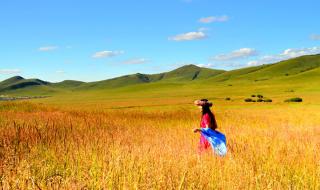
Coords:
pixel 50 147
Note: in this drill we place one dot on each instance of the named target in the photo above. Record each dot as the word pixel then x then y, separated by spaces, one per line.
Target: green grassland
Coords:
pixel 299 77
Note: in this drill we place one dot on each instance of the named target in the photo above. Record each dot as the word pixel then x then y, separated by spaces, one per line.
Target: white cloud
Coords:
pixel 208 65
pixel 268 59
pixel 104 54
pixel 48 48
pixel 253 63
pixel 315 37
pixel 237 54
pixel 222 65
pixel 189 36
pixel 9 71
pixel 291 53
pixel 286 54
pixel 211 19
pixel 183 63
pixel 136 61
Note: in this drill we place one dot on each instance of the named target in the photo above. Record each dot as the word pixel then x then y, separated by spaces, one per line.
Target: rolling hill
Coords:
pixel 182 74
pixel 301 70
pixel 67 84
pixel 291 67
pixel 18 82
pixel 185 73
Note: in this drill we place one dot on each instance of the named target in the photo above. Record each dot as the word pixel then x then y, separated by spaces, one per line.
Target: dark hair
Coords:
pixel 206 110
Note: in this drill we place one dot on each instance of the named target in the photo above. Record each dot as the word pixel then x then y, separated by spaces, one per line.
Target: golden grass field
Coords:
pixel 45 146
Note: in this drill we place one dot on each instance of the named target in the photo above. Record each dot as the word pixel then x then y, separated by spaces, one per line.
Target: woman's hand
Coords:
pixel 196 130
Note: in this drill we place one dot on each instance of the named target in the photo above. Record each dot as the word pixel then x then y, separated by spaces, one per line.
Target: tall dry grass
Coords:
pixel 42 147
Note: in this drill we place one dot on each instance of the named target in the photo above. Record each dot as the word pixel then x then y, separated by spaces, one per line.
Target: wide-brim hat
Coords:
pixel 202 103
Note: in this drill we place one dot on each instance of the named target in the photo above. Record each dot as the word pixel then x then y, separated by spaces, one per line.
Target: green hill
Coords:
pixel 288 68
pixel 285 68
pixel 10 81
pixel 116 82
pixel 183 74
pixel 186 73
pixel 67 84
pixel 302 72
pixel 18 82
pixel 189 73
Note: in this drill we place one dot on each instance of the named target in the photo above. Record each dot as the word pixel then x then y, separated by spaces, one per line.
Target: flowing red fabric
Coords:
pixel 204 144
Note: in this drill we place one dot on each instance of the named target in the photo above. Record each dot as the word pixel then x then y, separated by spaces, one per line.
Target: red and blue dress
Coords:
pixel 211 138
pixel 204 144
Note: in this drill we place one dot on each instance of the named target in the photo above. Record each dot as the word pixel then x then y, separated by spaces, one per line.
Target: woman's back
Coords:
pixel 208 120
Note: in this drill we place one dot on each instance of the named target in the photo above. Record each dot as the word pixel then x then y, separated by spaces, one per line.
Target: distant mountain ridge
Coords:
pixel 285 68
pixel 18 82
pixel 183 74
pixel 297 69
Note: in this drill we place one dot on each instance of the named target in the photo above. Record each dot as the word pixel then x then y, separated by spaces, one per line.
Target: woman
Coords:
pixel 207 121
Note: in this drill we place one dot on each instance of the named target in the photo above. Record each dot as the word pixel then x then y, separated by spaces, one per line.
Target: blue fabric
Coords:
pixel 216 139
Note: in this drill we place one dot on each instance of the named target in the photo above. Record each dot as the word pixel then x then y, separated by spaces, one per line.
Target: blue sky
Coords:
pixel 94 40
